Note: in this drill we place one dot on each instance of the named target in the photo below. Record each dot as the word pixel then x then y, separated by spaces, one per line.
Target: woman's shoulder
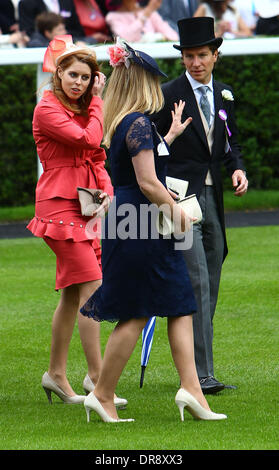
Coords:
pixel 49 103
pixel 134 122
pixel 48 100
pixel 137 119
pixel 132 117
pixel 126 122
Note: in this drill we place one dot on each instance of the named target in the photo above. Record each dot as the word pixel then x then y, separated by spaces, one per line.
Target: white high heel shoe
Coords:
pixel 92 403
pixel 50 386
pixel 89 387
pixel 184 399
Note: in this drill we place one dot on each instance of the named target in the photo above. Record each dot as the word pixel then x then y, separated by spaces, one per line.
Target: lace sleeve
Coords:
pixel 139 136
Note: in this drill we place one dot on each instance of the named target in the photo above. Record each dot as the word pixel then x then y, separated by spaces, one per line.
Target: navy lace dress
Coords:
pixel 143 274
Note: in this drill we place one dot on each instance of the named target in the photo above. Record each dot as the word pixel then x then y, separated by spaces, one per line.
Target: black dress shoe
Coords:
pixel 210 385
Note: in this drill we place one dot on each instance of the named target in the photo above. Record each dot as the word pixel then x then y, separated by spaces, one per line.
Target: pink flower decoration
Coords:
pixel 118 55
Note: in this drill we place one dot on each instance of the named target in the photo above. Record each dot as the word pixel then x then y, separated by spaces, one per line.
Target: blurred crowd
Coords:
pixel 33 23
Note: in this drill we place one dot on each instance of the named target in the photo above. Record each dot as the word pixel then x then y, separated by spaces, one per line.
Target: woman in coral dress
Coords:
pixel 68 129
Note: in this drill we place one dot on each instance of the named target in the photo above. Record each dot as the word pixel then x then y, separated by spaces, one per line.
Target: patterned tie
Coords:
pixel 204 103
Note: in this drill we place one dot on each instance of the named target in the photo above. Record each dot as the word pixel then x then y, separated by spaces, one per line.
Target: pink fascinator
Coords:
pixel 59 48
pixel 118 54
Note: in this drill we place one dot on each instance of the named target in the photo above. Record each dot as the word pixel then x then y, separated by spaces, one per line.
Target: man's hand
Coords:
pixel 240 182
pixel 177 127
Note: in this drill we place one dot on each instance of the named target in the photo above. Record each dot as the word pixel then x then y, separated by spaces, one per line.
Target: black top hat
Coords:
pixel 145 61
pixel 195 32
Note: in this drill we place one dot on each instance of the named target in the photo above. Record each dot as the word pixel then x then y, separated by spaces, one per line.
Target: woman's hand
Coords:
pixel 173 195
pixel 98 84
pixel 182 222
pixel 104 207
pixel 177 127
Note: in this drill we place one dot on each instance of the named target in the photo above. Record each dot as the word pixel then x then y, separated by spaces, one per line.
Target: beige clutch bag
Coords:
pixel 89 200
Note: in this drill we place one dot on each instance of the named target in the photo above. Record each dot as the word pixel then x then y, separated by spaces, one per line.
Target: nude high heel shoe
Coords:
pixel 50 386
pixel 184 399
pixel 91 403
pixel 89 387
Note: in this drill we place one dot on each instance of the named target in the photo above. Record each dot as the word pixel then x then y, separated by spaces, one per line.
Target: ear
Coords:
pixel 215 55
pixel 60 72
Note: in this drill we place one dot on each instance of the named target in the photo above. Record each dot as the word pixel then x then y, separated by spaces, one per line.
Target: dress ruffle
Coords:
pixel 59 230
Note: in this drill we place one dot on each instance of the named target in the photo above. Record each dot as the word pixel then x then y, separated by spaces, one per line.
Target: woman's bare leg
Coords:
pixel 72 298
pixel 119 348
pixel 62 329
pixel 180 332
pixel 89 331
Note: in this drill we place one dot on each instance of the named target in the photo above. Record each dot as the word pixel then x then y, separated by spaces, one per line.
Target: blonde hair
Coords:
pixel 82 104
pixel 129 90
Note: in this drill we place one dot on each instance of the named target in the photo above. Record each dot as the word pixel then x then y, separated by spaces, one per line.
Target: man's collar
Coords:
pixel 195 84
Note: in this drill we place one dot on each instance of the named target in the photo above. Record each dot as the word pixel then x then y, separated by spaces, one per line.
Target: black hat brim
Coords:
pixel 216 42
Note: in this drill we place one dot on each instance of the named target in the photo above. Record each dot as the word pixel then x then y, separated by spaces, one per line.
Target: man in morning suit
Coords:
pixel 197 156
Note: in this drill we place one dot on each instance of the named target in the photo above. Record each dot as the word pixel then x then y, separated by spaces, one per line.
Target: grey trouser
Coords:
pixel 204 263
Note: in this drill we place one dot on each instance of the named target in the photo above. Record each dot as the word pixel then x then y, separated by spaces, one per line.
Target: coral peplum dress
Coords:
pixel 68 146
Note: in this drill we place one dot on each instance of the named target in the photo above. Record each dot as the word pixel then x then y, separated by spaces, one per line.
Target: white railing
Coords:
pixel 158 50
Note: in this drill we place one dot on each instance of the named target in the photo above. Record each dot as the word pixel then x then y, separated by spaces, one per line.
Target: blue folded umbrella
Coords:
pixel 147 339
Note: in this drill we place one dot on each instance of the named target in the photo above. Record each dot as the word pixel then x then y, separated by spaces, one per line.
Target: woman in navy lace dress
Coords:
pixel 143 274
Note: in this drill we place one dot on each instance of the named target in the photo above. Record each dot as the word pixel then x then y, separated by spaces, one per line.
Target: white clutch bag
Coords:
pixel 178 186
pixel 189 204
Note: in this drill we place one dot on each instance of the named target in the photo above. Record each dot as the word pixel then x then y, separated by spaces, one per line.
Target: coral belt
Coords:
pixel 99 155
pixel 51 164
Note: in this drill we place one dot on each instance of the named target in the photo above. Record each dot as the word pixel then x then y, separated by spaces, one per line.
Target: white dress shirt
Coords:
pixel 210 96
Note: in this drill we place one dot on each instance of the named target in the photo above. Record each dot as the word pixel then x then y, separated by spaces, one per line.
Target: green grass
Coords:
pixel 246 354
pixel 14 214
pixel 253 200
